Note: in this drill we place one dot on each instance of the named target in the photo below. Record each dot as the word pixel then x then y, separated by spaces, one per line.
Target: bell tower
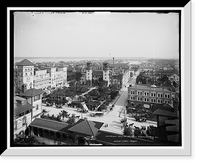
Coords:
pixel 89 74
pixel 106 73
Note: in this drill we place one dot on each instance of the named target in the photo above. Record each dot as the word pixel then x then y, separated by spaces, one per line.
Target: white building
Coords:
pixel 24 74
pixel 106 73
pixel 42 79
pixel 88 75
pixel 22 114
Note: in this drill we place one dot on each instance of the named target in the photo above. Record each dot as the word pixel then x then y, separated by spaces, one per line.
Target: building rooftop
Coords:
pixel 164 112
pixel 21 108
pixel 82 126
pixel 86 127
pixel 149 87
pixel 122 65
pixel 50 125
pixel 25 62
pixel 97 72
pixel 31 92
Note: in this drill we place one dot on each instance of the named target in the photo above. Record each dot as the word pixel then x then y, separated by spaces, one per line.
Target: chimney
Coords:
pixel 23 88
pixel 113 60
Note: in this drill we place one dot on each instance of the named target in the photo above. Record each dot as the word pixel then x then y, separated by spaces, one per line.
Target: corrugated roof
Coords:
pixel 50 125
pixel 31 92
pixel 25 62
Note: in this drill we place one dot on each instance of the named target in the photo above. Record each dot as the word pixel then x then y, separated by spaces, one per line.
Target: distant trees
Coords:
pixel 142 78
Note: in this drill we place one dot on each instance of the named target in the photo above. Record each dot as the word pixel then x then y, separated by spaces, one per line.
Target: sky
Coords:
pixel 100 34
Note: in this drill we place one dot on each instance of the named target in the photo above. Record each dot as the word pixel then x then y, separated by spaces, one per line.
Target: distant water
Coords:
pixel 66 59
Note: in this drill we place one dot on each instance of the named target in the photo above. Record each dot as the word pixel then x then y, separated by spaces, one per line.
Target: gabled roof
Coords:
pixel 25 62
pixel 86 127
pixel 31 92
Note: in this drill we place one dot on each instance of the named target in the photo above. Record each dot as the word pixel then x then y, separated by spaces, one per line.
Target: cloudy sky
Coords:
pixel 100 34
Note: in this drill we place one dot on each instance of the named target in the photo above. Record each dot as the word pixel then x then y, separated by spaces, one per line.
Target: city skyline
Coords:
pixel 75 34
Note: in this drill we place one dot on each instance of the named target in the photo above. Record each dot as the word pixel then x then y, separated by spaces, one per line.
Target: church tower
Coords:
pixel 106 73
pixel 89 74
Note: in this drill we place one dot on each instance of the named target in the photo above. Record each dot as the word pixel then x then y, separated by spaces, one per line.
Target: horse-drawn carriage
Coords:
pixel 140 119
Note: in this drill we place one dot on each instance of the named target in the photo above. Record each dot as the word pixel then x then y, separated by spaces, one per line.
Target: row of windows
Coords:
pixel 152 94
pixel 160 101
pixel 41 80
pixel 28 69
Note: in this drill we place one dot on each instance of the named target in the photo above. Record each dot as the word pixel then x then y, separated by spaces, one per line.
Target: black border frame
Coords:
pixel 181 4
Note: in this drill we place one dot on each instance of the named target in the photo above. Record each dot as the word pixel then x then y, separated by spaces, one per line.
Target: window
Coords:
pixel 158 101
pixel 141 98
pixel 161 95
pixel 168 96
pixel 161 101
pixel 138 98
pixel 138 93
pixel 151 94
pixel 37 107
pixel 158 95
pixel 24 121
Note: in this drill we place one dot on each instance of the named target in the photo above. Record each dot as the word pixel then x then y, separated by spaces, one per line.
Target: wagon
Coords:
pixel 140 118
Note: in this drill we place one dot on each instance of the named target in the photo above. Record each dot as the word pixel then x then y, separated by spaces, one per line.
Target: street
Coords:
pixel 111 118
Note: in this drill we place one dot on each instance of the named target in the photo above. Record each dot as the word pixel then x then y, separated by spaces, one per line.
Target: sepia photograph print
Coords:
pixel 94 78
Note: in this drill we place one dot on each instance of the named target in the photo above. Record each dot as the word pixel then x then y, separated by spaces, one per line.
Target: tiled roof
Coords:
pixel 86 127
pixel 25 62
pixel 31 92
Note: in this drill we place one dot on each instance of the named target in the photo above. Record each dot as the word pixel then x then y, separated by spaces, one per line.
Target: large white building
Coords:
pixel 42 79
pixel 26 75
